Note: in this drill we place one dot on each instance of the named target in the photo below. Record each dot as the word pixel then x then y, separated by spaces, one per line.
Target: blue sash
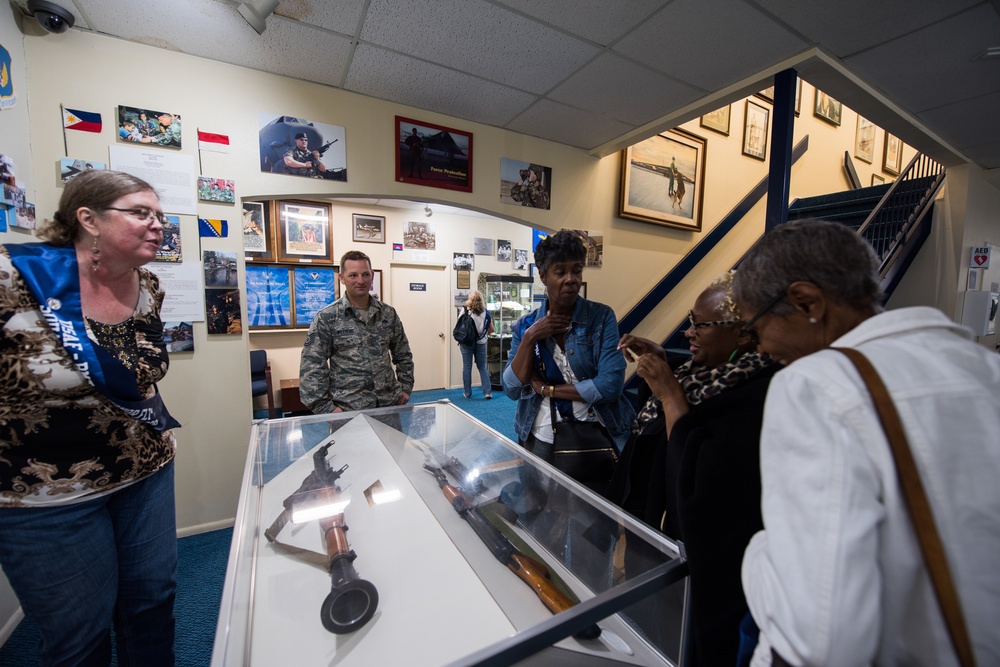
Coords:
pixel 52 275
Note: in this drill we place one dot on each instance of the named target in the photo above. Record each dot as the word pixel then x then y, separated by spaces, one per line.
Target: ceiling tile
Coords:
pixel 848 26
pixel 343 16
pixel 616 87
pixel 390 76
pixel 479 38
pixel 597 20
pixel 710 43
pixel 962 121
pixel 934 67
pixel 564 124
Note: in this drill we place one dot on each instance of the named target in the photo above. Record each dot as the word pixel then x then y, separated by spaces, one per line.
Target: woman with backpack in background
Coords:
pixel 476 310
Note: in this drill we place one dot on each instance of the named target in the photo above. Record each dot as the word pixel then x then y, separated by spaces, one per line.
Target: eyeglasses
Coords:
pixel 141 213
pixel 746 329
pixel 698 326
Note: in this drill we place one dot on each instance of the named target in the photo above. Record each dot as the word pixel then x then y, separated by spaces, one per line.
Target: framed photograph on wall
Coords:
pixel 717 121
pixel 663 179
pixel 434 155
pixel 892 156
pixel 877 180
pixel 755 130
pixel 864 140
pixel 258 232
pixel 268 297
pixel 316 287
pixel 369 228
pixel 304 233
pixel 767 94
pixel 827 108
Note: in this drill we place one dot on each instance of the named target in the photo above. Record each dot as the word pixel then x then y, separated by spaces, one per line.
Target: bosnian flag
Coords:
pixel 208 141
pixel 87 121
pixel 213 228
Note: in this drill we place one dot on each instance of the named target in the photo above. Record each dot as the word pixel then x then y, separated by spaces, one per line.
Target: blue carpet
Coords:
pixel 201 566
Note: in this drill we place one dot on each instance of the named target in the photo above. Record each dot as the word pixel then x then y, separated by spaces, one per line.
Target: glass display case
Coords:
pixel 507 299
pixel 417 535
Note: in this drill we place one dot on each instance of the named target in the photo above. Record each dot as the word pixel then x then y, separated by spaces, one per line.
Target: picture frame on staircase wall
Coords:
pixel 755 124
pixel 663 180
pixel 892 155
pixel 827 108
pixel 864 140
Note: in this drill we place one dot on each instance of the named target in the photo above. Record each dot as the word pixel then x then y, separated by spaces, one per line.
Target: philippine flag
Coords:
pixel 208 141
pixel 85 121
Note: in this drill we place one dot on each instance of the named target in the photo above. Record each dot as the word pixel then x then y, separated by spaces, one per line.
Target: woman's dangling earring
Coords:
pixel 95 256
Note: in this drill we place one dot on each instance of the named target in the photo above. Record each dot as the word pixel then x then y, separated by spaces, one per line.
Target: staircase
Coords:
pixel 894 218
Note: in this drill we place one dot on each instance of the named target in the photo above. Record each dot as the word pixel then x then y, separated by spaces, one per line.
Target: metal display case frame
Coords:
pixel 443 597
pixel 507 299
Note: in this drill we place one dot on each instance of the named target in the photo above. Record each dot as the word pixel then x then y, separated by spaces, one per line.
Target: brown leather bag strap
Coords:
pixel 919 508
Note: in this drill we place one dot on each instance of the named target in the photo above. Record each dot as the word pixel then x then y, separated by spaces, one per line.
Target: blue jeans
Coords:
pixel 76 568
pixel 477 352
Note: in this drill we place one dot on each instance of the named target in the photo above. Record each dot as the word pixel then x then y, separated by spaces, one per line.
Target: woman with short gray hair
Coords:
pixel 836 576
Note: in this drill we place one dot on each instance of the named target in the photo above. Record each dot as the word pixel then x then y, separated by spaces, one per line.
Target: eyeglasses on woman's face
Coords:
pixel 701 326
pixel 747 329
pixel 140 213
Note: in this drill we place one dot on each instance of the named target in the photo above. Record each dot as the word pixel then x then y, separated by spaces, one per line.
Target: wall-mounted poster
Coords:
pixel 504 252
pixel 369 228
pixel 315 288
pixel 179 336
pixel 170 248
pixel 268 296
pixel 220 268
pixel 69 167
pixel 222 311
pixel 755 130
pixel 463 261
pixel 520 259
pixel 216 189
pixel 258 234
pixel 663 180
pixel 827 108
pixel 864 140
pixel 419 235
pixel 892 156
pixel 301 147
pixel 481 246
pixel 525 183
pixel 304 233
pixel 717 121
pixel 433 155
pixel 146 126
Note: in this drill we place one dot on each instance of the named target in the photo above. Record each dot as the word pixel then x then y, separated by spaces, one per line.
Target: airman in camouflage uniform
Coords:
pixel 168 133
pixel 348 357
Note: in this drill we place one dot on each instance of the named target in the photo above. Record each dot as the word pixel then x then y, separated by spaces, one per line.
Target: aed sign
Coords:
pixel 418 287
pixel 980 258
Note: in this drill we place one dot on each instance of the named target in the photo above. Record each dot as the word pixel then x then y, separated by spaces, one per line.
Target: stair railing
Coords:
pixel 904 205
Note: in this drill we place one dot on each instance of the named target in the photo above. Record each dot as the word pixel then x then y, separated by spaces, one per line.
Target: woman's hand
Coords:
pixel 657 373
pixel 548 326
pixel 633 347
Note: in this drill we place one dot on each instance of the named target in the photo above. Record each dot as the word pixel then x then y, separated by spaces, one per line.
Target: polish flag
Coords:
pixel 208 141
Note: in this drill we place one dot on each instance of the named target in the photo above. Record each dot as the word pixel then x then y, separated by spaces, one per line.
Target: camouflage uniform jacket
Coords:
pixel 348 362
pixel 167 136
pixel 303 156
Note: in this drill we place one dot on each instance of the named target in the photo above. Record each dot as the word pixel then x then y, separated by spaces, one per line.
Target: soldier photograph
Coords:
pixel 302 148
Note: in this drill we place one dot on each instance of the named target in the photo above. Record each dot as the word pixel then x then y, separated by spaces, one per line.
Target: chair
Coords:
pixel 260 379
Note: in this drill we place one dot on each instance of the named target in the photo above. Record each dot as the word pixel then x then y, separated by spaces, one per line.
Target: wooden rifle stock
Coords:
pixel 529 570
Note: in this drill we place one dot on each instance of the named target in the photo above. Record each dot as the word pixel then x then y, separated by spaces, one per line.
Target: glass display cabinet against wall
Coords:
pixel 462 549
pixel 507 299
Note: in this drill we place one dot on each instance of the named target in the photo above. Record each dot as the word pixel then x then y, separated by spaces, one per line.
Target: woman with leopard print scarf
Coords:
pixel 692 462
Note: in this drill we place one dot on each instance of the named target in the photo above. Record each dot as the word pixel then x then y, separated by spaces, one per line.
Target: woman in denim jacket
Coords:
pixel 566 350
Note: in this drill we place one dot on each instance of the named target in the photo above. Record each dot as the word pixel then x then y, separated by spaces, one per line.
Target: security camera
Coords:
pixel 51 16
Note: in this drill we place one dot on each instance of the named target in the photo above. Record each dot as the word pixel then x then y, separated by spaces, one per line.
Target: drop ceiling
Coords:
pixel 603 74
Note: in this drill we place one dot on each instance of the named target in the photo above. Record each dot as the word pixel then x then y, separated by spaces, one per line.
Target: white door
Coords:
pixel 420 296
